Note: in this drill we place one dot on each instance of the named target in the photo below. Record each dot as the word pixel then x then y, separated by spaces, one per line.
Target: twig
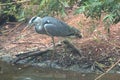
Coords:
pixel 107 70
pixel 14 2
pixel 11 23
pixel 114 44
pixel 27 43
pixel 14 28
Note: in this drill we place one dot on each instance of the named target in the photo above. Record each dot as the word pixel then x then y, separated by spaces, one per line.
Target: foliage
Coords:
pixel 53 7
pixel 91 8
pixel 37 7
pixel 96 8
pixel 9 9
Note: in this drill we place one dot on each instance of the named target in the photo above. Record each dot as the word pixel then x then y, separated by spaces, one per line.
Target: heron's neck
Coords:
pixel 38 26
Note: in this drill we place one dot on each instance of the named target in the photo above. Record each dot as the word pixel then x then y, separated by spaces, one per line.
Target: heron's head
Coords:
pixel 34 21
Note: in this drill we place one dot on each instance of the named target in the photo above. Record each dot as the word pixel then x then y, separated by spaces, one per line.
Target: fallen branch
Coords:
pixel 107 70
pixel 27 43
pixel 32 54
pixel 29 54
pixel 40 53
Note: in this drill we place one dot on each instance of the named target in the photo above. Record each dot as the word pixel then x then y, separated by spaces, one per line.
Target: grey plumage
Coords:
pixel 53 27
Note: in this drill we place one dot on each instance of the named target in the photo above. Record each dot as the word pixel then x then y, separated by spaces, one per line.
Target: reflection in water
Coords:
pixel 10 72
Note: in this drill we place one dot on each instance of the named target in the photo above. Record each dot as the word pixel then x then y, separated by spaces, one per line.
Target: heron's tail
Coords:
pixel 77 33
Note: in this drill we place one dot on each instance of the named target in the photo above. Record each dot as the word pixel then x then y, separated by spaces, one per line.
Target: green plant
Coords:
pixel 54 7
pixel 96 8
pixel 9 8
pixel 36 7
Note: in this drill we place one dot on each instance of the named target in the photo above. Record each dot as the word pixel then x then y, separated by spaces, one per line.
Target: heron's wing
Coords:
pixel 54 30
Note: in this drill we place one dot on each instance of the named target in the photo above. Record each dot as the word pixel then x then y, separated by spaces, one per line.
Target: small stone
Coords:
pixel 19 68
pixel 118 72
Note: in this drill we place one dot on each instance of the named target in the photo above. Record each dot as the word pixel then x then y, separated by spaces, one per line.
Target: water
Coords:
pixel 20 72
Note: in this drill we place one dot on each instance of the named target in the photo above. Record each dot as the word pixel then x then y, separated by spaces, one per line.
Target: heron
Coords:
pixel 52 27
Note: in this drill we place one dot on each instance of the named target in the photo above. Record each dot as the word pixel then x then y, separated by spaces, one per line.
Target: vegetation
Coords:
pixel 53 7
pixel 96 8
pixel 91 8
pixel 23 10
pixel 98 52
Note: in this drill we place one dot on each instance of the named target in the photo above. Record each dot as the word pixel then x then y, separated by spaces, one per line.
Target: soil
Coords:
pixel 98 49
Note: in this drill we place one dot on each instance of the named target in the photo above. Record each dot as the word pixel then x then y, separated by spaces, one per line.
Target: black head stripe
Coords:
pixel 33 19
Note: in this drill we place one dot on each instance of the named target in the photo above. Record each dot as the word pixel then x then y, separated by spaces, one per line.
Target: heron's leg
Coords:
pixel 54 49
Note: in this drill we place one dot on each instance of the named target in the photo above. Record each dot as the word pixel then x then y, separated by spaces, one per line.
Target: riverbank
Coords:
pixel 98 50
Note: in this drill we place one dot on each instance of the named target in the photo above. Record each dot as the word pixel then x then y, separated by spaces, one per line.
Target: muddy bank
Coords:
pixel 65 58
pixel 20 72
pixel 97 51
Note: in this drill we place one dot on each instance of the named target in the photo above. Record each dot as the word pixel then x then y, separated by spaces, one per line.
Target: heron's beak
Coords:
pixel 25 28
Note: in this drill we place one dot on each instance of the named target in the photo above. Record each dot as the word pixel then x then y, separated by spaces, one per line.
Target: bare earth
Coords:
pixel 95 45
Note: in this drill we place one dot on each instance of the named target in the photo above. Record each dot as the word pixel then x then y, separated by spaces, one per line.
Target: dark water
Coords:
pixel 18 72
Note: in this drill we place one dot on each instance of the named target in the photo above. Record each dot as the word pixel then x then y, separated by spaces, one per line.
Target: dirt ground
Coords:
pixel 96 44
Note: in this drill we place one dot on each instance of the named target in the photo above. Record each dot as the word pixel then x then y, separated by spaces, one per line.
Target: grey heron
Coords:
pixel 53 27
